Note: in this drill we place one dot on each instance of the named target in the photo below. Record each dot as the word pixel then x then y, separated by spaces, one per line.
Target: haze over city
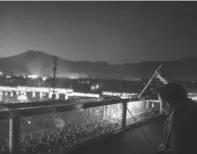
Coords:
pixel 114 32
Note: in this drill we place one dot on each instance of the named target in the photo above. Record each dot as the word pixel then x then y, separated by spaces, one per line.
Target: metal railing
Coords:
pixel 14 112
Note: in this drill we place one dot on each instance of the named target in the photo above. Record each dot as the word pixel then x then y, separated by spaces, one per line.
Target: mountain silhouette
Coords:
pixel 40 63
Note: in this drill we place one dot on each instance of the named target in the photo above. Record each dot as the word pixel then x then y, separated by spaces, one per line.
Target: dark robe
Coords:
pixel 180 133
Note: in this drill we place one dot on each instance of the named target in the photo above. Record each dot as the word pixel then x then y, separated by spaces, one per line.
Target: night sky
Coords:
pixel 115 32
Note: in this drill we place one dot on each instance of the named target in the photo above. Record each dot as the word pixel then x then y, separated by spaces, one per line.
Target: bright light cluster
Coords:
pixel 33 76
pixel 119 94
pixel 35 89
pixel 44 90
pixel 193 96
pixel 22 98
pixel 84 94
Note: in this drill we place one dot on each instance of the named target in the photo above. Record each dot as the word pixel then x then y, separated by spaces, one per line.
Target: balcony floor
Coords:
pixel 133 141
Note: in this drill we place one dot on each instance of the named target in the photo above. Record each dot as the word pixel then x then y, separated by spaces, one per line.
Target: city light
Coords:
pixel 22 98
pixel 8 76
pixel 84 94
pixel 33 76
pixel 119 94
pixel 44 78
pixel 35 89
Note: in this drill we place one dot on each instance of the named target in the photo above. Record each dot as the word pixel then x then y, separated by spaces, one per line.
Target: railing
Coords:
pixel 119 112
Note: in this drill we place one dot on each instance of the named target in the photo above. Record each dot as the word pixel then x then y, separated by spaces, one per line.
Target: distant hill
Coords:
pixel 36 62
pixel 183 69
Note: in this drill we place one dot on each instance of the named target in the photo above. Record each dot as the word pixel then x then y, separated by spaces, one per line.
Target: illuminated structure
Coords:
pixel 60 93
pixel 13 94
pixel 119 94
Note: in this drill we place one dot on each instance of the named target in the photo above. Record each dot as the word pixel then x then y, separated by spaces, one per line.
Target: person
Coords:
pixel 180 132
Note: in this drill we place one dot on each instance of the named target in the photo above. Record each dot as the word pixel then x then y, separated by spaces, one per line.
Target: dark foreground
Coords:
pixel 133 141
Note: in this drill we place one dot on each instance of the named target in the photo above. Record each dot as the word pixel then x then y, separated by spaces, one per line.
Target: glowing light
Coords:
pixel 59 123
pixel 22 98
pixel 33 94
pixel 66 97
pixel 41 94
pixel 33 76
pixel 29 122
pixel 84 94
pixel 1 96
pixel 193 96
pixel 44 78
pixel 44 89
pixel 119 94
pixel 50 95
pixel 11 94
pixel 57 96
pixel 95 87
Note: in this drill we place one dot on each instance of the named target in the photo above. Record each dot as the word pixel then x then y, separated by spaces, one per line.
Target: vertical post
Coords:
pixel 11 94
pixel 160 108
pixel 54 76
pixel 66 97
pixel 124 113
pixel 147 106
pixel 41 94
pixel 33 94
pixel 14 134
pixel 1 96
pixel 106 112
pixel 103 114
pixel 50 95
pixel 57 96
